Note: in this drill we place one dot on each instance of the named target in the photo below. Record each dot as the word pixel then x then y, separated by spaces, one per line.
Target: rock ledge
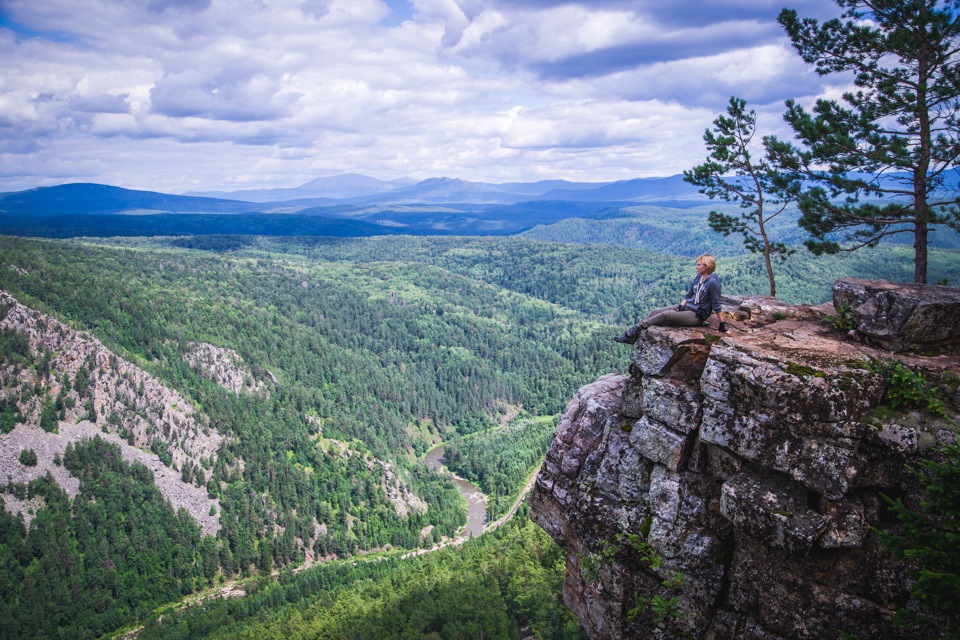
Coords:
pixel 751 463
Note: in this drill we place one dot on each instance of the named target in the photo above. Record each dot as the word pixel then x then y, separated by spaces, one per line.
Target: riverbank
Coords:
pixel 476 499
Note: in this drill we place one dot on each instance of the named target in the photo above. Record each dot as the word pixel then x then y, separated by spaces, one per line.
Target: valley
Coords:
pixel 287 390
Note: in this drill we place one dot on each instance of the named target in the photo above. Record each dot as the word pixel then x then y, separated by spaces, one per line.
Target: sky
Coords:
pixel 198 95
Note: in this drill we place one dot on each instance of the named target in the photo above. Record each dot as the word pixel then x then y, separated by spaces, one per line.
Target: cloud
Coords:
pixel 210 93
pixel 99 103
pixel 222 94
pixel 568 41
pixel 186 6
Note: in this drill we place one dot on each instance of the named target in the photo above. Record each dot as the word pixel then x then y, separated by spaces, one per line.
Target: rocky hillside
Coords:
pixel 742 473
pixel 397 490
pixel 58 385
pixel 224 367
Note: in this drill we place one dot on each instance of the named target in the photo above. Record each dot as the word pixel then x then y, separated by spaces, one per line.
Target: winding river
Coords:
pixel 476 501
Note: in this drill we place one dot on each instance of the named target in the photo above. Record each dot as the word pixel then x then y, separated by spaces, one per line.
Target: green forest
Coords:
pixel 371 349
pixel 309 510
pixel 114 552
pixel 499 461
pixel 388 358
pixel 501 586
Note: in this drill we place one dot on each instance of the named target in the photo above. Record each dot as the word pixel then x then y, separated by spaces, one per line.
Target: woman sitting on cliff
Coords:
pixel 701 300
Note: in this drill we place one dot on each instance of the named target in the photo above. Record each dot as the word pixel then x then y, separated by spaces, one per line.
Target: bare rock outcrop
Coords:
pixel 405 501
pixel 204 509
pixel 78 387
pixel 223 366
pixel 901 316
pixel 749 463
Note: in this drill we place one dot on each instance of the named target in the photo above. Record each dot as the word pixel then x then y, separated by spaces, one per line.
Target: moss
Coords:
pixel 803 371
pixel 711 339
pixel 883 413
pixel 645 526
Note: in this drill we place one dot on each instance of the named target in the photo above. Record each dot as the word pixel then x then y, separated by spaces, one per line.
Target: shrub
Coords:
pixel 28 458
pixel 908 389
pixel 842 321
pixel 927 539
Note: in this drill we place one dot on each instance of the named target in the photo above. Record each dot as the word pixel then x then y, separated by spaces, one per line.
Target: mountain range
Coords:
pixel 362 189
pixel 345 189
pixel 630 212
pixel 345 205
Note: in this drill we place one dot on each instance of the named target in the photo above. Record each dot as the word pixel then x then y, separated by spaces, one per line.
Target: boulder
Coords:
pixel 900 317
pixel 762 310
pixel 669 352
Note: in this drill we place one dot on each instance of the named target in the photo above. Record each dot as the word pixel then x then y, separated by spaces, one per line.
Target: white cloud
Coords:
pixel 203 94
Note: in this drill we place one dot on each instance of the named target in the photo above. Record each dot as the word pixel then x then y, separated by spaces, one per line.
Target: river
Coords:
pixel 476 501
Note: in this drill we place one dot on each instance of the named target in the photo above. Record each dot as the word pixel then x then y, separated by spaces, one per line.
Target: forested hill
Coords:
pixel 354 369
pixel 685 231
pixel 611 283
pixel 327 366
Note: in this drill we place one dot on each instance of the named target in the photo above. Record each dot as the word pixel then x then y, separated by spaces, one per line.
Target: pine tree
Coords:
pixel 763 187
pixel 879 160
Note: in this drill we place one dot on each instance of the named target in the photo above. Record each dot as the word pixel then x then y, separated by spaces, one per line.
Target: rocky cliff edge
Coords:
pixel 730 486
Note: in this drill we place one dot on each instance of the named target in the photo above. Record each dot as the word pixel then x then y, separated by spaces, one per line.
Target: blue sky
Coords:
pixel 181 95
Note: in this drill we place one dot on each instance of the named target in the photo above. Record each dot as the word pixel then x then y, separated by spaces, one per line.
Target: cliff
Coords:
pixel 730 486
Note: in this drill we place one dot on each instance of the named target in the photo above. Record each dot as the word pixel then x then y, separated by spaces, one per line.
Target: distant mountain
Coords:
pixel 436 206
pixel 72 210
pixel 363 190
pixel 659 190
pixel 447 190
pixel 544 186
pixel 342 192
pixel 456 191
pixel 339 187
pixel 85 198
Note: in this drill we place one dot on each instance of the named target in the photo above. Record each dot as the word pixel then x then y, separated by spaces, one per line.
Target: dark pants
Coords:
pixel 669 316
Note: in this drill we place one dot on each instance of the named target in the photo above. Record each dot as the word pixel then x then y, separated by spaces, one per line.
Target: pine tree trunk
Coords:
pixel 766 250
pixel 920 207
pixel 920 252
pixel 773 285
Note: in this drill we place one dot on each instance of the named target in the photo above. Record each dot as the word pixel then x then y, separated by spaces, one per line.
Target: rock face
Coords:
pixel 749 464
pixel 223 366
pixel 901 316
pixel 98 391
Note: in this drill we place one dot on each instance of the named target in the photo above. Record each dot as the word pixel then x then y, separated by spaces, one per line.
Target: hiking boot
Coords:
pixel 629 336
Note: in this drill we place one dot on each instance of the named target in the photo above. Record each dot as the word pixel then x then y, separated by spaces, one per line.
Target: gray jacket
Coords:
pixel 704 298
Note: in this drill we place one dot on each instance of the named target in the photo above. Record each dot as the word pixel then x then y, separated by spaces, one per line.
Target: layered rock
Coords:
pixel 750 464
pixel 901 316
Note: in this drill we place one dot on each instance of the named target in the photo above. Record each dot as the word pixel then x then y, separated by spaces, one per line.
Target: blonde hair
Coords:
pixel 709 261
